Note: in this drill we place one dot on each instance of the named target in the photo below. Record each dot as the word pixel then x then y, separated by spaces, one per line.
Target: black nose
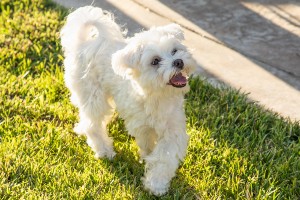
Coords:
pixel 178 63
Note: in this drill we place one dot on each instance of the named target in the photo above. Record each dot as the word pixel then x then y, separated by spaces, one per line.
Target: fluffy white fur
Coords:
pixel 106 71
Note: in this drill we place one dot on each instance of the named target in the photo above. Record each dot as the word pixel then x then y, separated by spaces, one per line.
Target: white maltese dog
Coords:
pixel 144 78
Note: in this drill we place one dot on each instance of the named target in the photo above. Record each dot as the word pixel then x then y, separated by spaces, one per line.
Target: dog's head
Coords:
pixel 156 59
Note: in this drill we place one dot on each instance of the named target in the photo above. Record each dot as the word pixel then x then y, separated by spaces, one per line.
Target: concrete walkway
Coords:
pixel 252 45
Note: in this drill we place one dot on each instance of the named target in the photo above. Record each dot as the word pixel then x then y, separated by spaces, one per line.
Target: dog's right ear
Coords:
pixel 126 61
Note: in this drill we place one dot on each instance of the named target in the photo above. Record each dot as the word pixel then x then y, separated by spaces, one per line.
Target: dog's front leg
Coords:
pixel 162 163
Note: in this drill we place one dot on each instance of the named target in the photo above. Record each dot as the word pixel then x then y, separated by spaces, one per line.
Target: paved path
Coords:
pixel 252 45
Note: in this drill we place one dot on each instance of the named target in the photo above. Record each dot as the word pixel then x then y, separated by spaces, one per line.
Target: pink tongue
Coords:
pixel 178 79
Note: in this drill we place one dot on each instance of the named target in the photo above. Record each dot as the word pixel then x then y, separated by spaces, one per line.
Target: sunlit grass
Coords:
pixel 237 149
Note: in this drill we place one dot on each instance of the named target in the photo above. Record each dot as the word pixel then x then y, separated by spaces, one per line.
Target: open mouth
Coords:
pixel 178 80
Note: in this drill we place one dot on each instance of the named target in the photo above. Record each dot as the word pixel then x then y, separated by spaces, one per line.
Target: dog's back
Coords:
pixel 89 39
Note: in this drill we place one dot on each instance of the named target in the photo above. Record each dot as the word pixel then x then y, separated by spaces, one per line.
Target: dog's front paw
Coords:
pixel 157 185
pixel 108 154
pixel 79 129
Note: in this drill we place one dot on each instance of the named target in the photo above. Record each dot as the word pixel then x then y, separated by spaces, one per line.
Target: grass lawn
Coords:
pixel 237 149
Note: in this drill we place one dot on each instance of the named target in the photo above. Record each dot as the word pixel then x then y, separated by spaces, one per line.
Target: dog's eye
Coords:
pixel 173 52
pixel 155 61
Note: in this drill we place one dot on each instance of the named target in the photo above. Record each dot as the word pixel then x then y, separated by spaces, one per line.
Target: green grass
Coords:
pixel 237 149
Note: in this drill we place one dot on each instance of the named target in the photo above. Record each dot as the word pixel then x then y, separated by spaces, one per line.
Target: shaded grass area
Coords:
pixel 237 149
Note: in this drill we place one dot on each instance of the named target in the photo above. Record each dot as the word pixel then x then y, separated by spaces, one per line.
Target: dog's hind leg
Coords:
pixel 95 113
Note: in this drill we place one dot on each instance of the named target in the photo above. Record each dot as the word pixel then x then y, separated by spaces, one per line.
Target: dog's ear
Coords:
pixel 172 29
pixel 126 61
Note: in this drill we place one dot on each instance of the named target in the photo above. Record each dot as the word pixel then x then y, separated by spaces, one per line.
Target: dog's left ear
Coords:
pixel 126 61
pixel 172 29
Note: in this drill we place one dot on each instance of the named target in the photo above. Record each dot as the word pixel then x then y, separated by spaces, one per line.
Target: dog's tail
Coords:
pixel 91 29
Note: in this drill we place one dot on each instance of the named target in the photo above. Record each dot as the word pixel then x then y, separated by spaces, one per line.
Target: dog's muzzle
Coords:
pixel 178 80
